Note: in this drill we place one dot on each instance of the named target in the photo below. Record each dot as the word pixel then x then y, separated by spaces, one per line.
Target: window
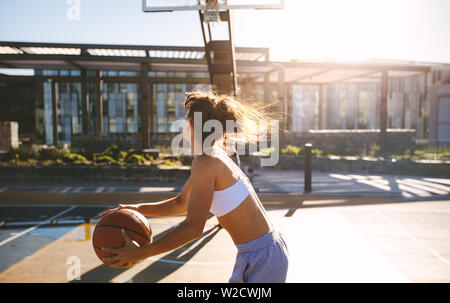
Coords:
pixel 120 107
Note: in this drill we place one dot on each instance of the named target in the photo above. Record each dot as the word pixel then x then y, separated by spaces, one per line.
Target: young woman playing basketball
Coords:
pixel 216 185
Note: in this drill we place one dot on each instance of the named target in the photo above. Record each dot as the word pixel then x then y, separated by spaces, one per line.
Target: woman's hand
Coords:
pixel 126 256
pixel 127 206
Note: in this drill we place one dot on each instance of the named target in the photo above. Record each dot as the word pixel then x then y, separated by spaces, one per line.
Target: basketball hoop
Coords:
pixel 211 13
pixel 205 5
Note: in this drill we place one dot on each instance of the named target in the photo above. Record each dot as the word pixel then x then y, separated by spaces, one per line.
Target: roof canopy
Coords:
pixel 252 61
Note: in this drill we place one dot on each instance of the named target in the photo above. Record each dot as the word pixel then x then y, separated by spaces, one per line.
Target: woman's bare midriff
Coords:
pixel 249 220
pixel 246 222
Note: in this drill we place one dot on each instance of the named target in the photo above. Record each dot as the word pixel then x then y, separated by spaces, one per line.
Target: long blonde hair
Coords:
pixel 223 107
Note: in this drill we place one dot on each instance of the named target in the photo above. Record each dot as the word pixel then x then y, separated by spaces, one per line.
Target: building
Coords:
pixel 128 90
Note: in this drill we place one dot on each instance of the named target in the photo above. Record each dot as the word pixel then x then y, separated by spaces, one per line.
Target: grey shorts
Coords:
pixel 263 260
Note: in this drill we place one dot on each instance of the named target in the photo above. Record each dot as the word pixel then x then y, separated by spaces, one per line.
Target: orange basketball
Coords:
pixel 107 233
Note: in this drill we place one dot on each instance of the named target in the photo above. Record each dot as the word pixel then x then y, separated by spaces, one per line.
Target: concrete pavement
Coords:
pixel 351 228
pixel 386 242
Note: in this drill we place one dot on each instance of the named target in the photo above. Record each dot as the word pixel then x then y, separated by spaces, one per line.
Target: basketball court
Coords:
pixel 330 238
pixel 384 242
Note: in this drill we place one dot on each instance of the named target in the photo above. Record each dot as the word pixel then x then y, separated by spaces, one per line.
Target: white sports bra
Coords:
pixel 229 198
pixel 224 201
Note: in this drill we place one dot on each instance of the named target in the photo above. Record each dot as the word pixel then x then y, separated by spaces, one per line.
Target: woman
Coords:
pixel 217 185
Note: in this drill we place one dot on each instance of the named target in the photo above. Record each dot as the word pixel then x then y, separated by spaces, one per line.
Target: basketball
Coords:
pixel 107 233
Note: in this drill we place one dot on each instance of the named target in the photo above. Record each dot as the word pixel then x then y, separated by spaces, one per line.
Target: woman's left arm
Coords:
pixel 203 175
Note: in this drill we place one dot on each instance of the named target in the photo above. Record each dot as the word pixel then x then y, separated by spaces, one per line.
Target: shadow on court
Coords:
pixel 157 270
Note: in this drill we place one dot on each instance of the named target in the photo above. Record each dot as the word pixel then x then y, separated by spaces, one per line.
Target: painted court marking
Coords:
pixel 100 189
pixel 36 226
pixel 156 189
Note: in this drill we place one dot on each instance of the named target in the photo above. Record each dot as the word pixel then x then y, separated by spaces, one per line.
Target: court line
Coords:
pixel 36 226
pixel 65 190
pixel 431 187
pixel 99 189
pixel 413 238
pixel 423 187
pixel 438 180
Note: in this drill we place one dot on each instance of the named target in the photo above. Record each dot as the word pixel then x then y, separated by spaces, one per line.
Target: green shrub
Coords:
pixel 102 159
pixel 169 163
pixel 73 158
pixel 433 154
pixel 269 150
pixel 135 159
pixel 114 152
pixel 296 150
pixel 291 150
pixel 135 151
pixel 81 151
pixel 122 155
pixel 135 156
pixel 316 152
pixel 148 157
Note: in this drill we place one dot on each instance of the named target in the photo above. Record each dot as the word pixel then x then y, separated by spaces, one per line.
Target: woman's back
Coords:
pixel 248 220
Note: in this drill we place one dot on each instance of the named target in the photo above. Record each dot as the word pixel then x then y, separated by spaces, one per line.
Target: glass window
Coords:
pixel 48 118
pixel 128 74
pixel 368 118
pixel 168 104
pixel 160 103
pixel 47 72
pixel 120 107
pixel 75 72
pixel 132 108
pixel 69 111
pixel 304 103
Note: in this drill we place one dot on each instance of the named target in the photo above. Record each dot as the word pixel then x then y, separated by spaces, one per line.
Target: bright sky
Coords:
pixel 417 30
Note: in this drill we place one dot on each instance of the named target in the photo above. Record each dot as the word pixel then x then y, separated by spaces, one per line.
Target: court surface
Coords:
pixel 329 240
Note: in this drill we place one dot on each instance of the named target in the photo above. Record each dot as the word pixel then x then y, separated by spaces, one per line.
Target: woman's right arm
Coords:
pixel 170 207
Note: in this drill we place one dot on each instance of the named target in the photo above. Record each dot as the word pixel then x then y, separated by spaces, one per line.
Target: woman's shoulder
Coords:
pixel 211 160
pixel 205 161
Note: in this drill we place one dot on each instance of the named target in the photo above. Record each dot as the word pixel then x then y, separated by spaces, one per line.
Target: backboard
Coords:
pixel 184 5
